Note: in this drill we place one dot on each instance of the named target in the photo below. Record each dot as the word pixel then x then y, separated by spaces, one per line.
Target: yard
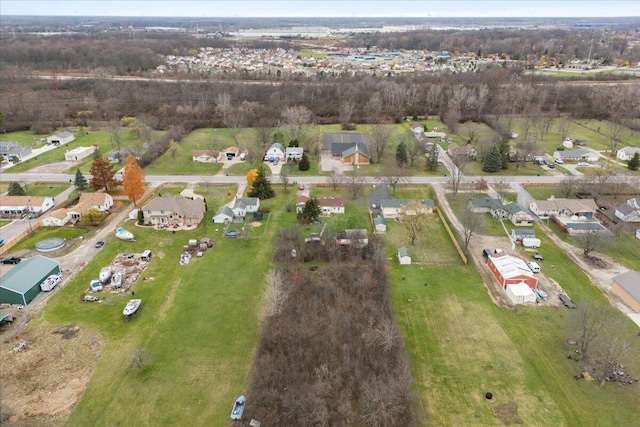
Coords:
pixel 73 235
pixel 462 346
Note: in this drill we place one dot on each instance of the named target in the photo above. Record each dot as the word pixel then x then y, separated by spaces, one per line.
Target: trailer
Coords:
pixel 531 242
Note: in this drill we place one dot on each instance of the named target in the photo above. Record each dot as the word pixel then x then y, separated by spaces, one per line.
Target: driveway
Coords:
pixel 327 164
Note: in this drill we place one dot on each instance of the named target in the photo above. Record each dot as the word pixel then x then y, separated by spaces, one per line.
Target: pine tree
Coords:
pixel 304 164
pixel 15 189
pixel 261 187
pixel 80 181
pixel 311 210
pixel 133 180
pixel 504 152
pixel 401 155
pixel 493 160
pixel 634 163
pixel 432 158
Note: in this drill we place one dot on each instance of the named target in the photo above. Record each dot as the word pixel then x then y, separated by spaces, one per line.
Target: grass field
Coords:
pixel 462 345
pixel 71 234
pixel 543 193
pixel 45 189
pixel 198 323
pixel 4 222
pixel 24 138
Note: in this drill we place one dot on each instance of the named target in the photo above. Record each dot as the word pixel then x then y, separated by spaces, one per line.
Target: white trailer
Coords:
pixel 531 242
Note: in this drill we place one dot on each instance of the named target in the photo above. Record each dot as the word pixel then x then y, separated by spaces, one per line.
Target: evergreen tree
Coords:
pixel 80 181
pixel 304 164
pixel 311 210
pixel 432 157
pixel 401 155
pixel 493 160
pixel 141 217
pixel 294 143
pixel 15 189
pixel 634 163
pixel 261 187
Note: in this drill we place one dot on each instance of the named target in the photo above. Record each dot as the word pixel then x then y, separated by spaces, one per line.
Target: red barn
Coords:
pixel 509 270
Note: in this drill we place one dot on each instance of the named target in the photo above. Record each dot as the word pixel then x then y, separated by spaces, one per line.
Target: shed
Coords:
pixel 22 283
pixel 521 293
pixel 223 215
pixel 627 287
pixel 519 234
pixel 404 256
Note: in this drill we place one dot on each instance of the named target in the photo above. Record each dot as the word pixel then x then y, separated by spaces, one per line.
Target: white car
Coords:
pixel 583 164
pixel 559 161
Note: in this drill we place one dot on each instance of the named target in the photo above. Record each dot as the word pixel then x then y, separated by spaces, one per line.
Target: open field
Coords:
pixel 71 234
pixel 45 189
pixel 462 345
pixel 198 323
pixel 24 138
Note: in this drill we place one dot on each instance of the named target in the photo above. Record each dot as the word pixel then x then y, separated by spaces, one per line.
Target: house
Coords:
pixel 392 208
pixel 579 155
pixel 518 234
pixel 348 147
pixel 61 138
pixel 379 224
pixel 629 211
pixel 434 134
pixel 117 156
pixel 485 205
pixel 625 154
pixel 508 269
pixel 176 211
pixel 567 143
pixel 464 153
pixel 17 206
pixel 275 152
pixel 100 201
pixel 358 238
pixel 417 129
pixel 328 205
pixel 243 206
pixel 57 218
pixel 293 153
pixel 79 153
pixel 516 214
pixel 224 215
pixel 11 150
pixel 627 287
pixel 581 208
pixel 520 293
pixel 404 256
pixel 204 156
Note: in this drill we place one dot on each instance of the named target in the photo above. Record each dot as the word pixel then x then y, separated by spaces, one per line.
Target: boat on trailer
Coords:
pixel 116 279
pixel 123 234
pixel 132 307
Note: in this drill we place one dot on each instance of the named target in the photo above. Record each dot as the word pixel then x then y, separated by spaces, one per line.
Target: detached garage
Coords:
pixel 521 293
pixel 627 287
pixel 22 283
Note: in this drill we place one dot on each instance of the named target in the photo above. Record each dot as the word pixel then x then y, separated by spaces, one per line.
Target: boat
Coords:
pixel 132 307
pixel 238 408
pixel 123 234
pixel 50 283
pixel 95 285
pixel 116 279
pixel 185 258
pixel 542 294
pixel 105 274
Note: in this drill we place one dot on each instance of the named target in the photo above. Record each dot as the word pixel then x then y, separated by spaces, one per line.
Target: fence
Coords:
pixel 10 243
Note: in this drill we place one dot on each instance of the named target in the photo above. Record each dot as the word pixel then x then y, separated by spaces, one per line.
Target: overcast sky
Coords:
pixel 328 8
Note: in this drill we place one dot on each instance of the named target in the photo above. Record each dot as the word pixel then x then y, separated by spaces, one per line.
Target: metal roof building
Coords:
pixel 22 283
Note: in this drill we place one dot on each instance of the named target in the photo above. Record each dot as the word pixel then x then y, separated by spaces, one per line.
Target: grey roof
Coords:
pixel 403 251
pixel 28 273
pixel 360 148
pixel 512 208
pixel 625 209
pixel 379 219
pixel 330 138
pixel 523 232
pixel 575 154
pixel 248 201
pixel 630 282
pixel 277 145
pixel 226 210
pixel 398 203
pixel 12 147
pixel 594 226
pixel 65 134
pixel 185 207
pixel 486 202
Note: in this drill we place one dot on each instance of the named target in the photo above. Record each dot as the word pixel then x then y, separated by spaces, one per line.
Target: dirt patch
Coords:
pixel 507 413
pixel 130 266
pixel 53 168
pixel 256 224
pixel 42 382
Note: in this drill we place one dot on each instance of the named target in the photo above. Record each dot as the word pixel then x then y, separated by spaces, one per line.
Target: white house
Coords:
pixel 204 156
pixel 328 205
pixel 243 206
pixel 12 150
pixel 223 215
pixel 638 233
pixel 567 143
pixel 293 153
pixel 392 208
pixel 275 152
pixel 404 256
pixel 417 129
pixel 625 154
pixel 629 211
pixel 57 218
pixel 61 138
pixel 20 205
pixel 79 153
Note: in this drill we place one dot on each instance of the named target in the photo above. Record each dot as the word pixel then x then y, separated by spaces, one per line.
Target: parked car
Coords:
pixel 559 161
pixel 583 164
pixel 538 257
pixel 11 260
pixel 580 142
pixel 486 253
pixel 99 244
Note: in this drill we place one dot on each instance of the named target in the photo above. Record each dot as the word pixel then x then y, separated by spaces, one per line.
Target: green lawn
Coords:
pixel 45 189
pixel 71 234
pixel 199 324
pixel 462 345
pixel 24 138
pixel 544 193
pixel 475 169
pixel 4 222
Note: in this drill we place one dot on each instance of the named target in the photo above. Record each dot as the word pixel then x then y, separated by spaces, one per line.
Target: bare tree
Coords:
pixel 276 294
pixel 335 178
pixel 502 188
pixel 615 135
pixel 413 147
pixel 569 185
pixel 592 241
pixel 596 179
pixel 296 122
pixel 223 106
pixel 115 134
pixel 563 128
pixel 355 182
pixel 414 220
pixel 456 175
pixel 393 175
pixel 471 224
pixel 380 138
pixel 588 322
pixel 284 176
pixel 347 107
pixel 140 360
pixel 612 351
pixel 264 135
